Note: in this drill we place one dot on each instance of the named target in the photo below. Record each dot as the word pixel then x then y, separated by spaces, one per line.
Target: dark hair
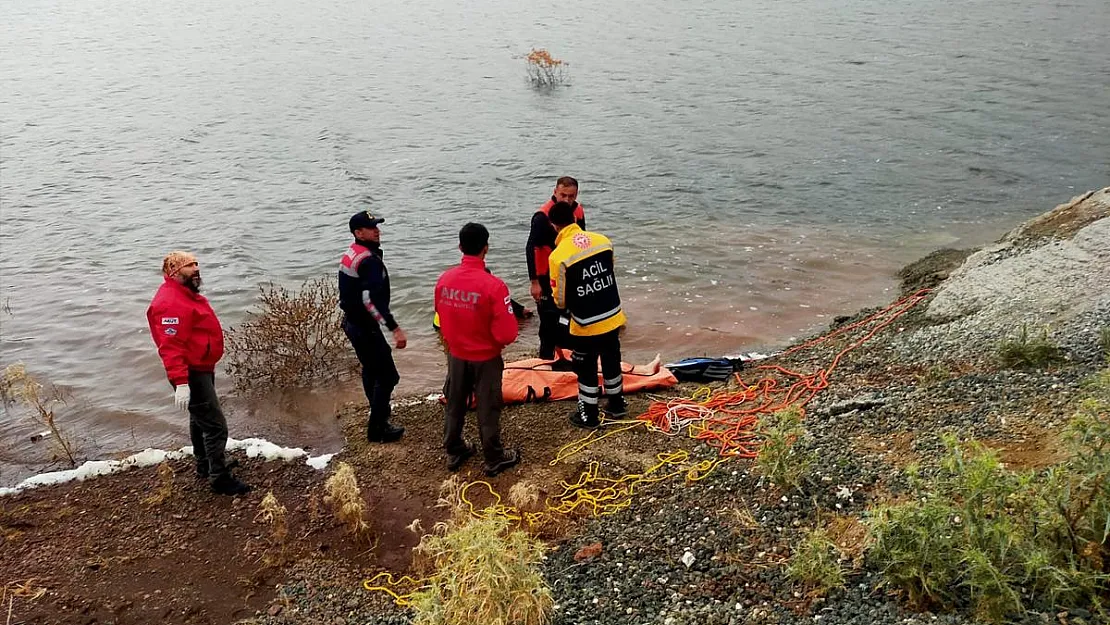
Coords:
pixel 561 215
pixel 473 238
pixel 566 181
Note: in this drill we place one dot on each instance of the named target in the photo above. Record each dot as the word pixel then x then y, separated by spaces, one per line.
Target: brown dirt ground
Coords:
pixel 104 552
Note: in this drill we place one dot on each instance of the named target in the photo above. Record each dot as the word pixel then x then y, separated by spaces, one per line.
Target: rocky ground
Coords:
pixel 707 552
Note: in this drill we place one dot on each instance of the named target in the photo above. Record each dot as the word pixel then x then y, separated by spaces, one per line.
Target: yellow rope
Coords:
pixel 401 599
pixel 600 496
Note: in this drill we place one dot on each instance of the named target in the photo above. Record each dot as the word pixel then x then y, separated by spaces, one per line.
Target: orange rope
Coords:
pixel 726 420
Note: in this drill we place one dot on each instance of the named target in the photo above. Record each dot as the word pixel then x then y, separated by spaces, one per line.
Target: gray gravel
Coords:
pixel 884 408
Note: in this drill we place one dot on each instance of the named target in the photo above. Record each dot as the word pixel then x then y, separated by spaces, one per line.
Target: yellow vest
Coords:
pixel 583 281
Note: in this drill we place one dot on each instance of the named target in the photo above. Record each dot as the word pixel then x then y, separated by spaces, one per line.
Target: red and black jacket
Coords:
pixel 541 240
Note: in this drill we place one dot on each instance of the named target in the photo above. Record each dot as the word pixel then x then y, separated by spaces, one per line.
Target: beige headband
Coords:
pixel 174 262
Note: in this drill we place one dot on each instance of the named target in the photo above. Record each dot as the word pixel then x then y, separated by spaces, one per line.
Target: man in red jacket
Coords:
pixel 191 342
pixel 477 322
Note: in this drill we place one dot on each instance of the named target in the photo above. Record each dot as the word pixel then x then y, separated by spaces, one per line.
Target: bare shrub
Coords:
pixel 294 340
pixel 19 387
pixel 345 498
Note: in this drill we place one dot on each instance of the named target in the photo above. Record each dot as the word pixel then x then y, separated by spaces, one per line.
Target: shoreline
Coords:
pixel 704 552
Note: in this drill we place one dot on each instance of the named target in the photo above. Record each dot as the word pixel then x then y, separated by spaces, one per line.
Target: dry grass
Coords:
pixel 19 387
pixel 525 495
pixel 849 534
pixel 25 590
pixel 484 572
pixel 165 477
pixel 295 340
pixel 272 513
pixel 345 498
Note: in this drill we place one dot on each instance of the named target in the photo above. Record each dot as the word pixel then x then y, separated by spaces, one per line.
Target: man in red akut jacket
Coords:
pixel 477 322
pixel 191 342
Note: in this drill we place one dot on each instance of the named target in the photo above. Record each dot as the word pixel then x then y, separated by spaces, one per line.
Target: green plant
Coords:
pixel 934 375
pixel 1104 342
pixel 1026 351
pixel 816 563
pixel 295 340
pixel 19 387
pixel 484 572
pixel 1002 541
pixel 779 458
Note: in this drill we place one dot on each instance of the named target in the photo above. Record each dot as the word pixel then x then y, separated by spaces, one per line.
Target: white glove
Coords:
pixel 181 397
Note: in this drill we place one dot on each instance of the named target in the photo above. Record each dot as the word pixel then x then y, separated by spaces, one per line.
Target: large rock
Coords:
pixel 1052 271
pixel 1051 267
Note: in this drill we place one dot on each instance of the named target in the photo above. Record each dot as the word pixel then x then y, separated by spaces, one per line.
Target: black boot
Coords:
pixel 615 408
pixel 202 467
pixel 226 484
pixel 510 459
pixel 585 417
pixel 455 462
pixel 384 433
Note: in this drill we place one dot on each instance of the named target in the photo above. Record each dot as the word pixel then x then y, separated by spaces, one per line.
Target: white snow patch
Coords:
pixel 319 462
pixel 254 448
pixel 93 468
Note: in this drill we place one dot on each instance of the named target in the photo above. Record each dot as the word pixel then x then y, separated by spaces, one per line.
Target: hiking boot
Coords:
pixel 386 433
pixel 509 459
pixel 584 418
pixel 615 408
pixel 455 462
pixel 226 484
pixel 202 467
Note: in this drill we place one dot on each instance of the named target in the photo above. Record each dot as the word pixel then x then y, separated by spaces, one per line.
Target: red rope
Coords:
pixel 726 419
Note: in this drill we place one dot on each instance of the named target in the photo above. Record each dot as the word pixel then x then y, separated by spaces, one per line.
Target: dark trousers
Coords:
pixel 553 334
pixel 587 350
pixel 207 425
pixel 379 373
pixel 483 379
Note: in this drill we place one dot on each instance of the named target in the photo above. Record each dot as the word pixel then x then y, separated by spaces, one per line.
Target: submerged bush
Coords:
pixel 17 387
pixel 1002 541
pixel 484 572
pixel 544 70
pixel 295 340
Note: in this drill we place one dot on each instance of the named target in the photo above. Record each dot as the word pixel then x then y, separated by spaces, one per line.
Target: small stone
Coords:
pixel 275 609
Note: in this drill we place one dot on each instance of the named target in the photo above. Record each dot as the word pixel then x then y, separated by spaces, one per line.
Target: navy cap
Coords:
pixel 365 219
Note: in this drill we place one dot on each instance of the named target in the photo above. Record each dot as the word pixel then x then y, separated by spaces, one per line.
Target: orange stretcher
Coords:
pixel 536 380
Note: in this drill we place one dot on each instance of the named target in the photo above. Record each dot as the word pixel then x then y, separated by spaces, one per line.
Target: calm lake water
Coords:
pixel 762 166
